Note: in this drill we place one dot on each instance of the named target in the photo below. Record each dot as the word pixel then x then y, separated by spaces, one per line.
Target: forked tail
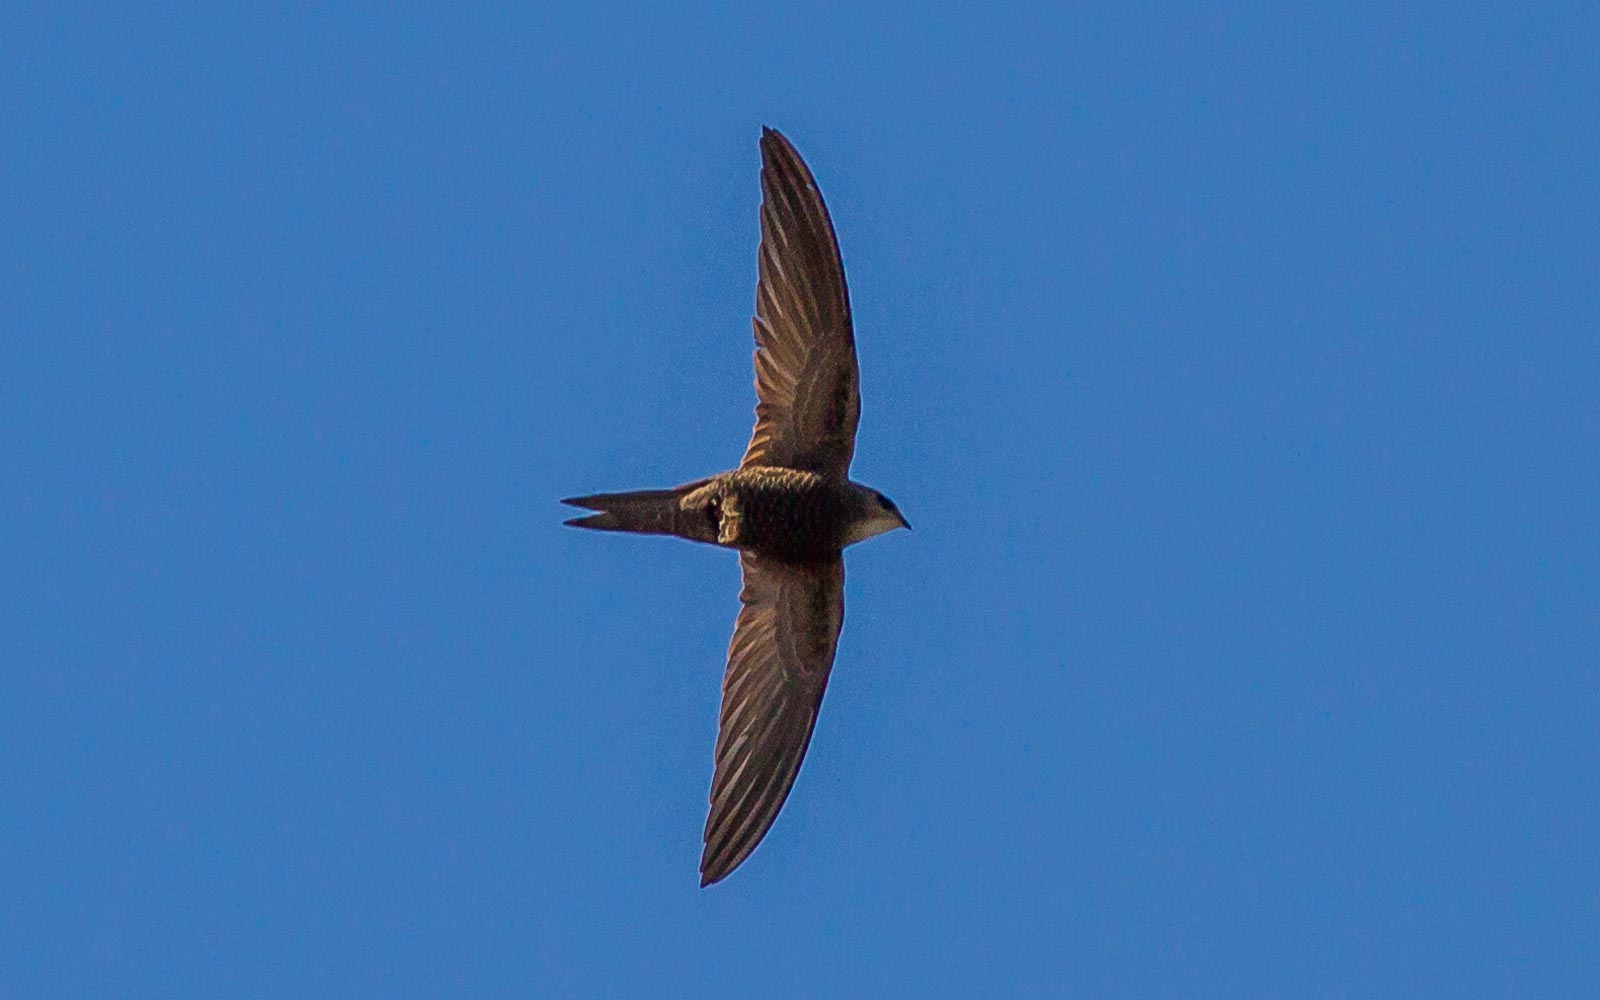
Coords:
pixel 649 512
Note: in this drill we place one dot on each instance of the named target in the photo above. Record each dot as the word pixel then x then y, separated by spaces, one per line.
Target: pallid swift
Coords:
pixel 789 509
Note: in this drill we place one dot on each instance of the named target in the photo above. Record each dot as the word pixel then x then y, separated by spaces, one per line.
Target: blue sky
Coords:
pixel 1237 367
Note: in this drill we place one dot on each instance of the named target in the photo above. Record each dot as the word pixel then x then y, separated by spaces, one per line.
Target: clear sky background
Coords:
pixel 1237 367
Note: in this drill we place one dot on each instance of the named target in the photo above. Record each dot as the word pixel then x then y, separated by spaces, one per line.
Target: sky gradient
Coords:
pixel 1238 369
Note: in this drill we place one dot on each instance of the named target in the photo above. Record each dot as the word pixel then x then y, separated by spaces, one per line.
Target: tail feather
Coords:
pixel 650 512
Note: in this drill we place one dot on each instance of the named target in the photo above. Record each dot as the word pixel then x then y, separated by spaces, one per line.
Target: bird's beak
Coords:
pixel 904 523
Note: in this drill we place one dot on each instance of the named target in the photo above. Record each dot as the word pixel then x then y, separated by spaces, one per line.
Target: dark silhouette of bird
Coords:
pixel 790 508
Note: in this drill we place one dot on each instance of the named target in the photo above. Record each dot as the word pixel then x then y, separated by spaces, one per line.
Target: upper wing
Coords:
pixel 778 666
pixel 808 399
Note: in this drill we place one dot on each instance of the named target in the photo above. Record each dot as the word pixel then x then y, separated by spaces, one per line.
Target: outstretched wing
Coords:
pixel 778 664
pixel 807 386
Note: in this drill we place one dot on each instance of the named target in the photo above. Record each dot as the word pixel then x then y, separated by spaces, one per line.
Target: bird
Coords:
pixel 789 508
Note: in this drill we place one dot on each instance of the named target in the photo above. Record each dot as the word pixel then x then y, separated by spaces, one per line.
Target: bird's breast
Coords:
pixel 786 513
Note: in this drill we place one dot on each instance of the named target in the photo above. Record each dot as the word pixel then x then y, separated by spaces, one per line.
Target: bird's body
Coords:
pixel 790 509
pixel 787 514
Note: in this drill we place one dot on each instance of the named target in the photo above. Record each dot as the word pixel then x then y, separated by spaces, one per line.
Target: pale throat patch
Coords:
pixel 871 526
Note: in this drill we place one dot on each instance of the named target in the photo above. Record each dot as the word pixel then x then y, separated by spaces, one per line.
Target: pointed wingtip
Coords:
pixel 772 137
pixel 711 876
pixel 710 871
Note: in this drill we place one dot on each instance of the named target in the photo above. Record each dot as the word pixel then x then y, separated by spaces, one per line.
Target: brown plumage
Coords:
pixel 790 508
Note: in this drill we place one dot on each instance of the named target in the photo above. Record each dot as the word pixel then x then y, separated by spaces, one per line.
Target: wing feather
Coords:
pixel 778 665
pixel 807 384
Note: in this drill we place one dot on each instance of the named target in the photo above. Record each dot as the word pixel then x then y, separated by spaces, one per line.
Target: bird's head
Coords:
pixel 877 514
